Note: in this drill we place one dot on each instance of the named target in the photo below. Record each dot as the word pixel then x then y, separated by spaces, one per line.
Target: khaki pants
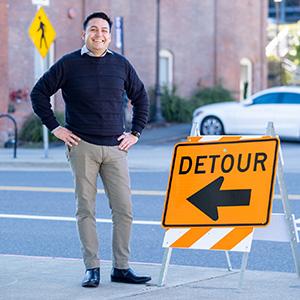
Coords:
pixel 87 161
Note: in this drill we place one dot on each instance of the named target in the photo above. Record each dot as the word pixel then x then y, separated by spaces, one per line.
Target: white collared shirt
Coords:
pixel 85 50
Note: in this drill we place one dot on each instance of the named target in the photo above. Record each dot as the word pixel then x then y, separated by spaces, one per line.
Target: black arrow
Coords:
pixel 210 197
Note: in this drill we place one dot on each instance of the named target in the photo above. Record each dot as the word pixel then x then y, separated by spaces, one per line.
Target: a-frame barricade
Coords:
pixel 282 228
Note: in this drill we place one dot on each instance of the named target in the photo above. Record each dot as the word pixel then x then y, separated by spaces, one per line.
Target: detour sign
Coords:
pixel 221 183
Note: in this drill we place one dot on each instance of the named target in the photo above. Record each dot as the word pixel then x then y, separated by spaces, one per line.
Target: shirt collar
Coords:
pixel 85 50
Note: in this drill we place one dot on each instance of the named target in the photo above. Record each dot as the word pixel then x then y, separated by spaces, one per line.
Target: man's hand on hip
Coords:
pixel 67 136
pixel 128 140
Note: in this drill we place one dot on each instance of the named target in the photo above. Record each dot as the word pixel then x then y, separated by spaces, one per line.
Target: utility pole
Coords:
pixel 277 8
pixel 158 114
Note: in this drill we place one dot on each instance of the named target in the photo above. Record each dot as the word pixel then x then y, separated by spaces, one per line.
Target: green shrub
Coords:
pixel 209 95
pixel 32 130
pixel 177 109
pixel 174 108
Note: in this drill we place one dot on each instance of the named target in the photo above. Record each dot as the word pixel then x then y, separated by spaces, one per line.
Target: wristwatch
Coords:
pixel 136 133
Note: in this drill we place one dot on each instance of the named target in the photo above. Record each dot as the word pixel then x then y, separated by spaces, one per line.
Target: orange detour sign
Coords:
pixel 228 182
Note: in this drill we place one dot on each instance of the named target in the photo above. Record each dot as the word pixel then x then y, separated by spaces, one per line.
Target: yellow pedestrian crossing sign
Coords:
pixel 41 32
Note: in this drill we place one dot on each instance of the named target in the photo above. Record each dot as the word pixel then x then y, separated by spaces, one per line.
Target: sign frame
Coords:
pixel 41 2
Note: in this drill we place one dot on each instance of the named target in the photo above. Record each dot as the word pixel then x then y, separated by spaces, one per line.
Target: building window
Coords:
pixel 245 78
pixel 166 69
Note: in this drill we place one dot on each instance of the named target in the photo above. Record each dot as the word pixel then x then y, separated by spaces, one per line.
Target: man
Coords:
pixel 93 81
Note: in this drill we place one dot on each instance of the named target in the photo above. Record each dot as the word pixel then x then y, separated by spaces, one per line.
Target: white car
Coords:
pixel 281 105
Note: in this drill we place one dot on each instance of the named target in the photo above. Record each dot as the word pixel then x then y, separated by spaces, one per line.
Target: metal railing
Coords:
pixel 15 131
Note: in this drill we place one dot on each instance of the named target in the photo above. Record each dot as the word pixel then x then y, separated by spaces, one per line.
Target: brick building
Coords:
pixel 202 43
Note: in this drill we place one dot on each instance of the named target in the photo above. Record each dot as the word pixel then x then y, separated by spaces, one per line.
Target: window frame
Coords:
pixel 165 53
pixel 246 62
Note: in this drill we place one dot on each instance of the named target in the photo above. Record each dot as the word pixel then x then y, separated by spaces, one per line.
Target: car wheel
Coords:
pixel 211 126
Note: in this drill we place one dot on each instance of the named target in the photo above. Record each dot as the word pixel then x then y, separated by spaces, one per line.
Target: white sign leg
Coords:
pixel 164 267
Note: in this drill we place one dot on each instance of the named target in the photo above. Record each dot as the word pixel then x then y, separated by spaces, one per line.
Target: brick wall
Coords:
pixel 4 123
pixel 187 31
pixel 208 38
pixel 239 37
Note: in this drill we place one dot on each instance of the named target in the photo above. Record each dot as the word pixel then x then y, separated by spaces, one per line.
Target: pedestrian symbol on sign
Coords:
pixel 43 37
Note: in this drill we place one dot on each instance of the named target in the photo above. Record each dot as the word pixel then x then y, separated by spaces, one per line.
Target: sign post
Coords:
pixel 119 34
pixel 42 34
pixel 40 2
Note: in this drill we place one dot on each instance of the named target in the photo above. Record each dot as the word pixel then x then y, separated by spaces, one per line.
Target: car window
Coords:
pixel 267 99
pixel 291 98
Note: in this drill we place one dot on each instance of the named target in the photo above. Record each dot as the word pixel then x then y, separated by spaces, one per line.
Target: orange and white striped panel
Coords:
pixel 210 238
pixel 224 138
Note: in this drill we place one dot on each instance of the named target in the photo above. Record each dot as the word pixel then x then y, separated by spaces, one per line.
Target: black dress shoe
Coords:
pixel 91 278
pixel 127 276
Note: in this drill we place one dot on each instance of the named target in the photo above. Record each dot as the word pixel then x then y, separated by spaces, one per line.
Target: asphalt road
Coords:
pixel 54 232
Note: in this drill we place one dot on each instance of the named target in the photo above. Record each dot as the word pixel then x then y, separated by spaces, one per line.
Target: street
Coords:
pixel 203 134
pixel 37 219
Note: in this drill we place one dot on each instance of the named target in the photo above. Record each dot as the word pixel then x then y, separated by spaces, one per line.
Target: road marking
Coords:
pixel 67 169
pixel 71 190
pixel 101 191
pixel 69 219
pixel 290 196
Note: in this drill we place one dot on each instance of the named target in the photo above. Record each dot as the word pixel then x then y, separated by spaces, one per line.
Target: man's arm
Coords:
pixel 139 99
pixel 40 95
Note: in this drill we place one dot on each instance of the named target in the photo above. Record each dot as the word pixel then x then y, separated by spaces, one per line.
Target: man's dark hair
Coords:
pixel 100 15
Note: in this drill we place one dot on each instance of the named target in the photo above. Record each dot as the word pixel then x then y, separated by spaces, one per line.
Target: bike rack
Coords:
pixel 16 131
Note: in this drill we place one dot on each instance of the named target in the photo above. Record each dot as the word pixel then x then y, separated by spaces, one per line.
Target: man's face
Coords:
pixel 97 36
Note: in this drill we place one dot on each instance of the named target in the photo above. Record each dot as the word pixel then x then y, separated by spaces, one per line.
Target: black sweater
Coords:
pixel 93 89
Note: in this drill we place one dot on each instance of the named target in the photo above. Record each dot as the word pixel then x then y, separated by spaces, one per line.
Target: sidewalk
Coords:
pixel 30 278
pixel 154 150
